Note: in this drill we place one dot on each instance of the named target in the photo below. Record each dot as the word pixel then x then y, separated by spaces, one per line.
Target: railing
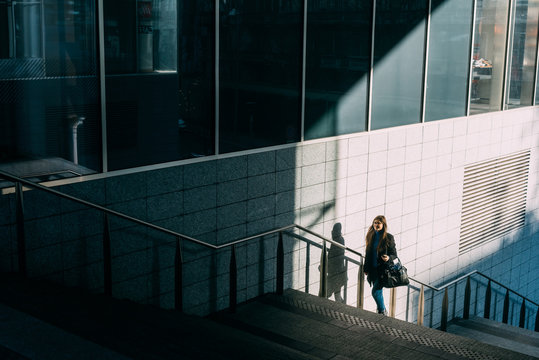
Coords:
pixel 178 261
pixel 467 298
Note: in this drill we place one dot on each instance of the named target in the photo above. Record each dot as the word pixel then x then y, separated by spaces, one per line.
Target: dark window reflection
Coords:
pixel 49 118
pixel 159 63
pixel 260 73
pixel 399 49
pixel 338 62
pixel 523 53
pixel 449 51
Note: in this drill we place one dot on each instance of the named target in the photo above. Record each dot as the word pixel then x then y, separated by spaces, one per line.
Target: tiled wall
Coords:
pixel 412 174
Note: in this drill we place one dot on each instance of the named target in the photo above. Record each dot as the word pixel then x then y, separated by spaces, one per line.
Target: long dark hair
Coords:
pixel 371 231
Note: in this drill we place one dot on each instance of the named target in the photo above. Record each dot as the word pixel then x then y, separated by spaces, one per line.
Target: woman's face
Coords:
pixel 377 225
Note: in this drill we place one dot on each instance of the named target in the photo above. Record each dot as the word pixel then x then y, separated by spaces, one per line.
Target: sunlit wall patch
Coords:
pixel 494 199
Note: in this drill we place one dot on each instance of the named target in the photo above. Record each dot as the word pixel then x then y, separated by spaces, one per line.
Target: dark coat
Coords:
pixel 386 248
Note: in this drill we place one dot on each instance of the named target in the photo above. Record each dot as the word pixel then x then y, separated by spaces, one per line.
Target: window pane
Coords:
pixel 490 33
pixel 159 99
pixel 449 51
pixel 524 50
pixel 399 48
pixel 260 72
pixel 49 118
pixel 338 62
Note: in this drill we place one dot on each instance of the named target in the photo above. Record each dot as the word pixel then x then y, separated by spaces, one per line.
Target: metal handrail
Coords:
pixel 443 287
pixel 14 178
pixel 178 272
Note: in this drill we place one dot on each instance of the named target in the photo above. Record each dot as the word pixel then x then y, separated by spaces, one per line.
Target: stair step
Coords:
pixel 130 329
pixel 421 339
pixel 497 334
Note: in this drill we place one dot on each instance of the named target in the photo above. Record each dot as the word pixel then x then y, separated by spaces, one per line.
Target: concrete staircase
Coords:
pixel 499 334
pixel 43 321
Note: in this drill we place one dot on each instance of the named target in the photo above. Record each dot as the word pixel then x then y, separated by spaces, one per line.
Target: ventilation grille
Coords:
pixel 494 199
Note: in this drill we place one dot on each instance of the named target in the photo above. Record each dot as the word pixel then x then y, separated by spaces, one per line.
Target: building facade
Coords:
pixel 224 119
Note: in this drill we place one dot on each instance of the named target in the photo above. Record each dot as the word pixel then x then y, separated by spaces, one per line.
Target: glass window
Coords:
pixel 523 53
pixel 338 62
pixel 260 73
pixel 159 94
pixel 488 62
pixel 449 50
pixel 50 126
pixel 399 52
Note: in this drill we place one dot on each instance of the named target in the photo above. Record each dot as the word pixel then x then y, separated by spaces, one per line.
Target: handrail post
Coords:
pixel 505 317
pixel 323 272
pixel 522 321
pixel 178 277
pixel 392 301
pixel 360 285
pixel 107 258
pixel 280 265
pixel 21 239
pixel 488 296
pixel 421 306
pixel 233 280
pixel 537 320
pixel 445 309
pixel 467 297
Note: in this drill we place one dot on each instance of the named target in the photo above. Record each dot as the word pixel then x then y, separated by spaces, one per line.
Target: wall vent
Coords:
pixel 494 199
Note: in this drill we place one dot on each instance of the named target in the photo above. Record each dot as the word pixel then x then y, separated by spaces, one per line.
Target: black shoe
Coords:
pixel 383 312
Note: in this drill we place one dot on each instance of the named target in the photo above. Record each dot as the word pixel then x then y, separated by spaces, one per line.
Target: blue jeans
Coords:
pixel 378 296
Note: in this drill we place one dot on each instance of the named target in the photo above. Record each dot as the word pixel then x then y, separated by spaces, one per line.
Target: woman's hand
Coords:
pixel 385 257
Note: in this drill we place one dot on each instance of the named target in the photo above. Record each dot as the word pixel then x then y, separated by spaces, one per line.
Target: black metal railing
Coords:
pixel 179 262
pixel 467 300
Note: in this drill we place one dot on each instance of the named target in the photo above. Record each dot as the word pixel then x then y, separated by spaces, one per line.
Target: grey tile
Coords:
pixel 230 215
pixel 286 158
pixel 260 208
pixel 261 163
pixel 314 154
pixel 285 202
pixel 231 192
pixel 126 187
pixel 261 185
pixel 200 174
pixel 165 206
pixel 200 198
pixel 164 180
pixel 200 222
pixel 231 168
pixel 285 180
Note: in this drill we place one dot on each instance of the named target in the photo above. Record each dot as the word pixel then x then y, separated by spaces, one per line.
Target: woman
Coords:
pixel 379 250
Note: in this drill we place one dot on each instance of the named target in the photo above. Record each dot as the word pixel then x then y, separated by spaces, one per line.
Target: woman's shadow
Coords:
pixel 336 267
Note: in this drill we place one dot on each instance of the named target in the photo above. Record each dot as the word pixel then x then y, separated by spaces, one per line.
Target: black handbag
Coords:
pixel 395 274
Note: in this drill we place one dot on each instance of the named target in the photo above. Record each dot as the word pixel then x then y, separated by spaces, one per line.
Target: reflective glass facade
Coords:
pixel 489 55
pixel 523 54
pixel 448 59
pixel 399 53
pixel 49 109
pixel 192 78
pixel 337 67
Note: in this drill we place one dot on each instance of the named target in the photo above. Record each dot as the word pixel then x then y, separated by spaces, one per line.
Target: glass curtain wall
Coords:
pixel 159 61
pixel 523 45
pixel 49 118
pixel 399 52
pixel 260 61
pixel 337 67
pixel 448 66
pixel 488 57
